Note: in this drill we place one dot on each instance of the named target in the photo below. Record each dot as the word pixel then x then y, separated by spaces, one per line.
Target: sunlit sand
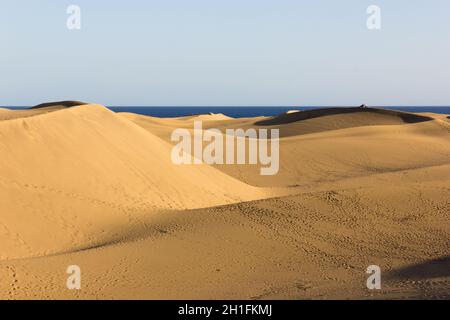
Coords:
pixel 80 184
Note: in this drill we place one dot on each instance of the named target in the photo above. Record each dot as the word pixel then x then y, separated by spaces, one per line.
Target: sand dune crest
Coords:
pixel 60 104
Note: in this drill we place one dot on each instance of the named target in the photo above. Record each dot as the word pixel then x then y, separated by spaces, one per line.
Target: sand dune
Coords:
pixel 370 116
pixel 362 143
pixel 8 114
pixel 207 117
pixel 314 245
pixel 84 172
pixel 332 155
pixel 356 187
pixel 312 121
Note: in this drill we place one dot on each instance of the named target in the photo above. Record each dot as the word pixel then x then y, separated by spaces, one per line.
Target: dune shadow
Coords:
pixel 61 104
pixel 317 113
pixel 437 268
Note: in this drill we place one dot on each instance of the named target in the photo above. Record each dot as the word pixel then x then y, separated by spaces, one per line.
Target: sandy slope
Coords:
pixel 366 187
pixel 84 172
pixel 363 143
pixel 206 117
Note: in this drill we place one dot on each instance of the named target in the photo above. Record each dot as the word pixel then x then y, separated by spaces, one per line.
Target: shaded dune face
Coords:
pixel 60 104
pixel 435 268
pixel 313 121
pixel 311 114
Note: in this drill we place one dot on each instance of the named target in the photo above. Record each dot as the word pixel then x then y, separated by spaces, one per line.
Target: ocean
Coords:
pixel 241 112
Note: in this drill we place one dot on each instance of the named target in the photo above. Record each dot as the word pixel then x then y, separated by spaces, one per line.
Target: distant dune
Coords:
pixel 207 117
pixel 60 104
pixel 311 121
pixel 8 114
pixel 369 115
pixel 80 184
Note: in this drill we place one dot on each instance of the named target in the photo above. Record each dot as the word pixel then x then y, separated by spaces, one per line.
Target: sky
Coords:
pixel 225 53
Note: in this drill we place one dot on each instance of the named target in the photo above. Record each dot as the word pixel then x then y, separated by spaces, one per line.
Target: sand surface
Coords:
pixel 81 185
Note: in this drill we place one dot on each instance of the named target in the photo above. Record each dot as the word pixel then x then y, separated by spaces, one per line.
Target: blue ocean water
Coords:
pixel 241 112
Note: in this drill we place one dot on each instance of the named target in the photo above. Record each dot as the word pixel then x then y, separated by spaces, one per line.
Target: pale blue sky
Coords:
pixel 225 52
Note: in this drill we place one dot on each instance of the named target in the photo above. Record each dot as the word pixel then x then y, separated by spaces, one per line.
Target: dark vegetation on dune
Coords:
pixel 310 114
